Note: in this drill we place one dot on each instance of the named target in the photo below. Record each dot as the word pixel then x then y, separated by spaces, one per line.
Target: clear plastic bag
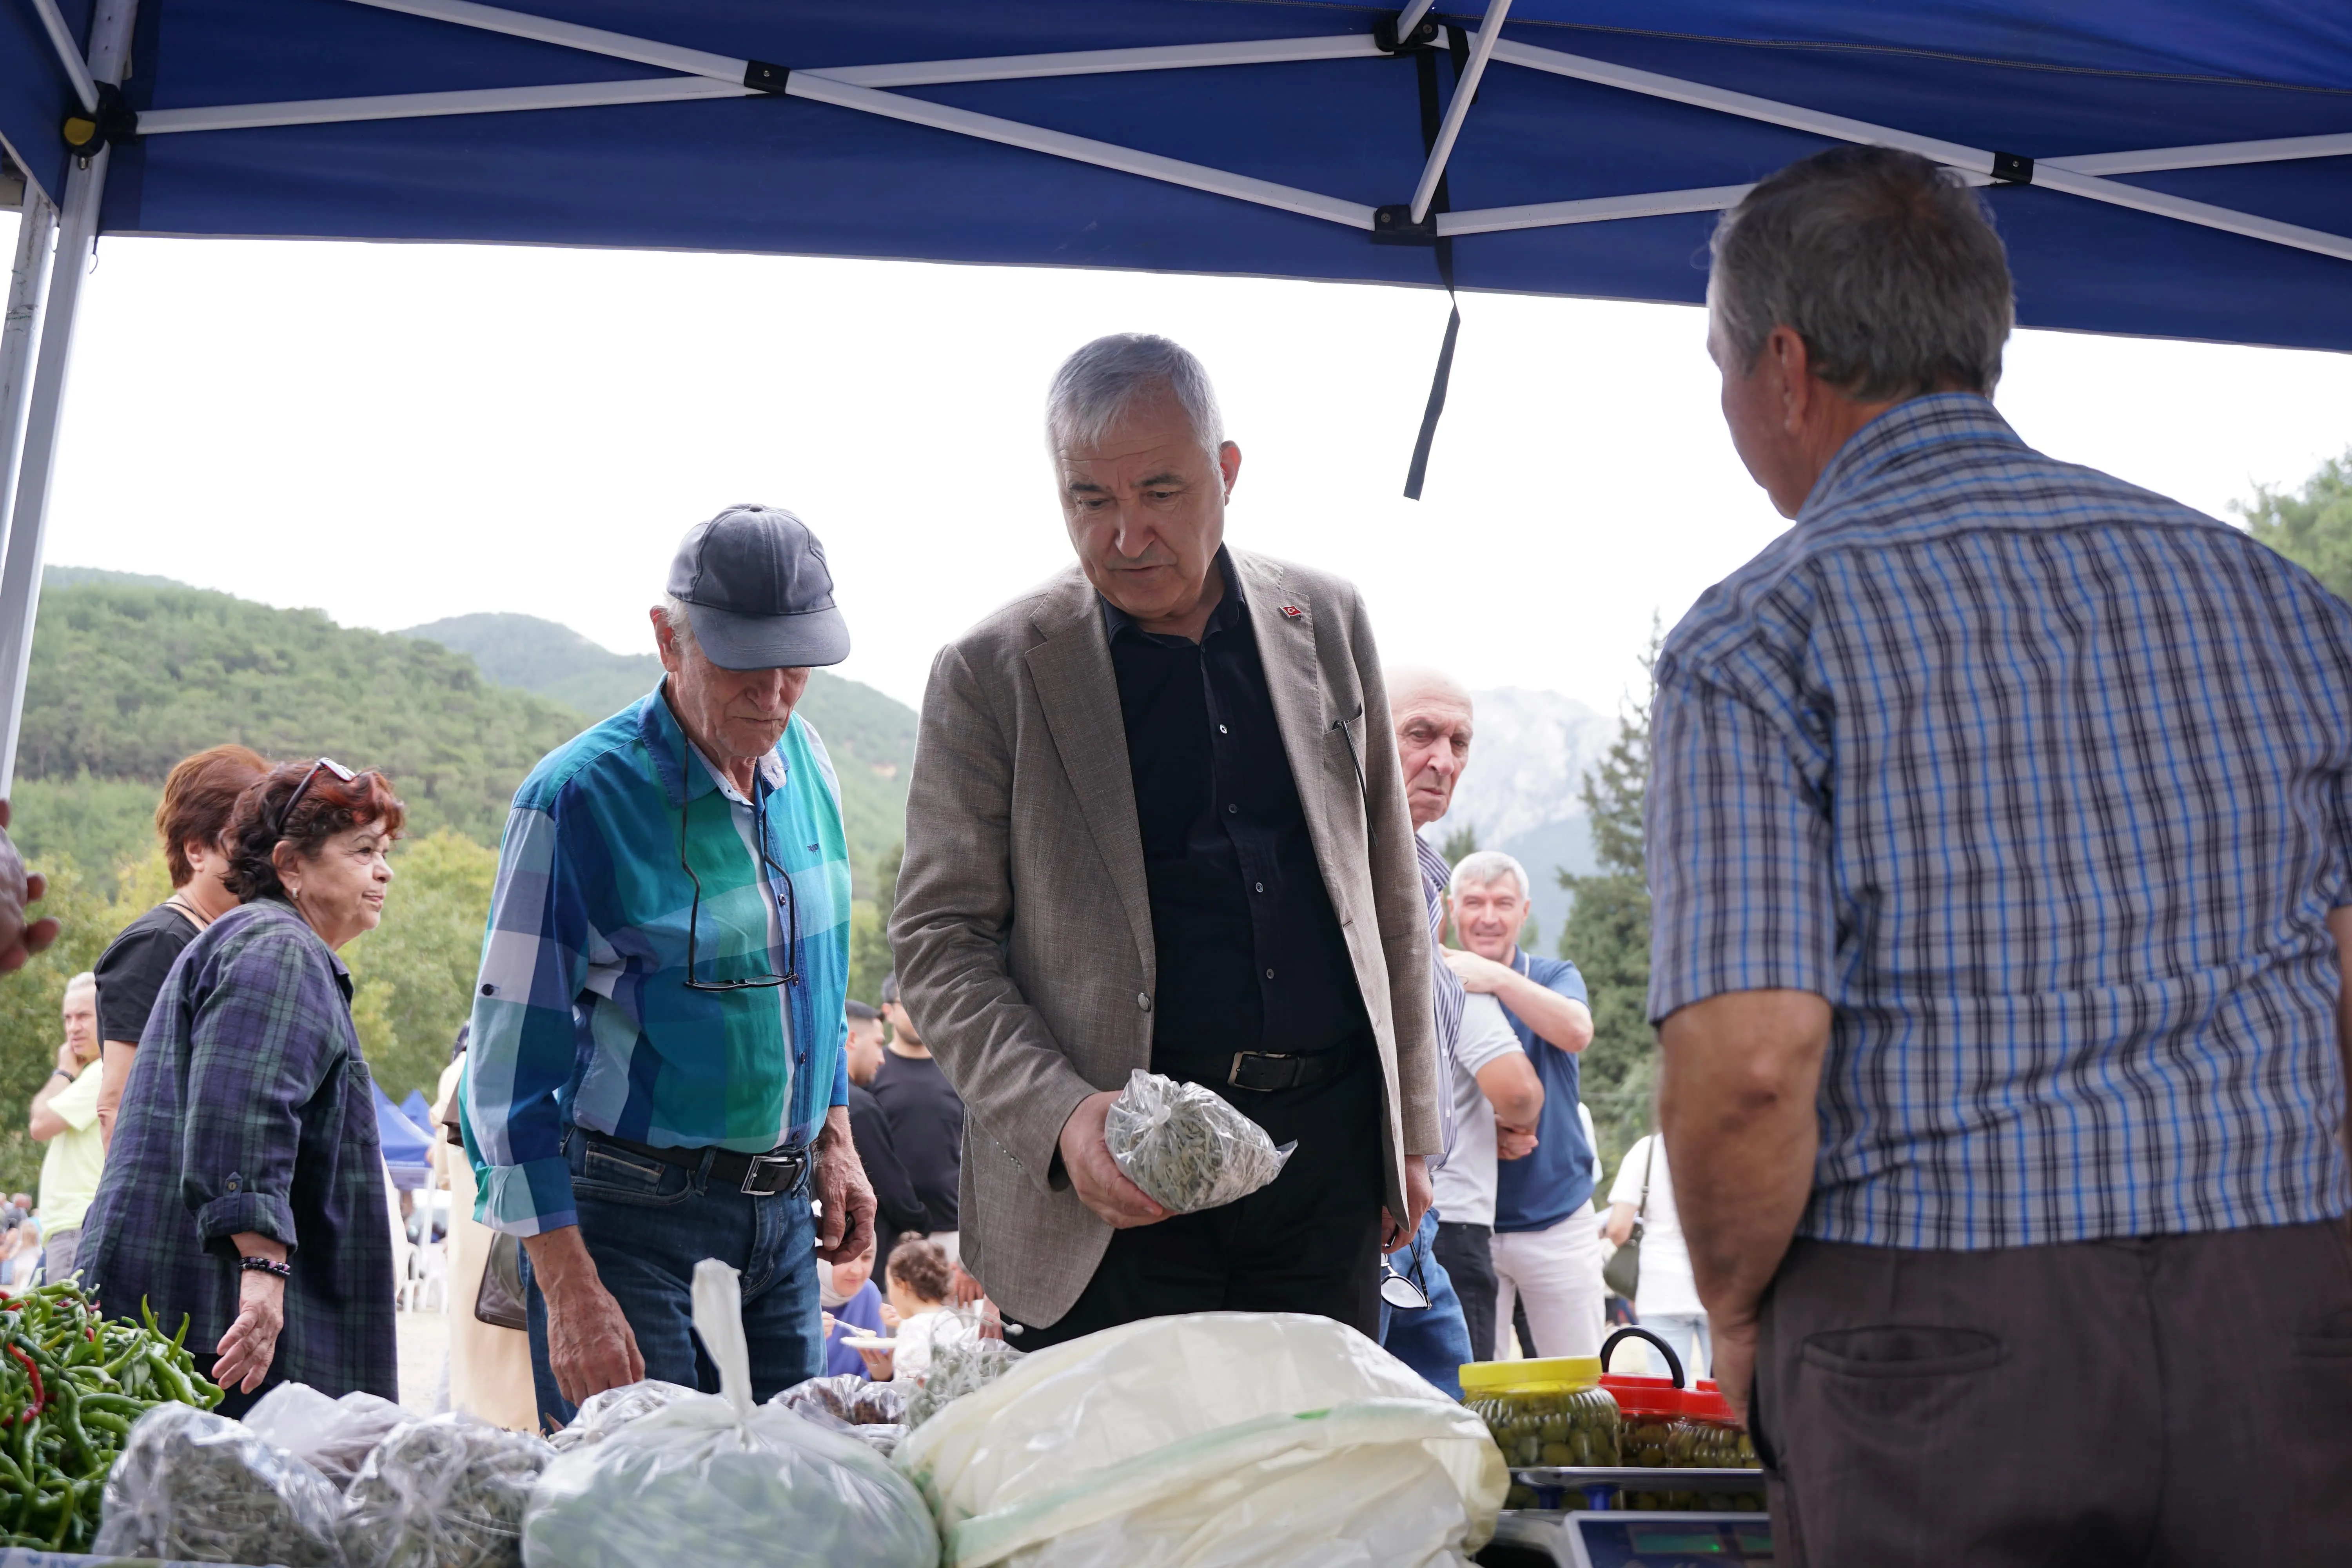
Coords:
pixel 718 1479
pixel 602 1414
pixel 1222 1438
pixel 1186 1147
pixel 200 1488
pixel 334 1437
pixel 958 1367
pixel 848 1397
pixel 444 1492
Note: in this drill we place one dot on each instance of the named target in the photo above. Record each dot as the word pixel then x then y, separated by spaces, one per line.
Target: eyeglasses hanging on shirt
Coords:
pixel 789 900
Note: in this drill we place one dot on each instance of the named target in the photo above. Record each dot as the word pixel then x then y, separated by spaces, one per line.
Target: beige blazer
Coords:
pixel 1023 927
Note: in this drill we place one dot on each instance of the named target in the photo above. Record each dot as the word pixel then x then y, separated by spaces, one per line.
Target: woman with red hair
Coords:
pixel 245 1186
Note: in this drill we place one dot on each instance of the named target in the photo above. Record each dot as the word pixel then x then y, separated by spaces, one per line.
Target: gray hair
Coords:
pixel 1885 263
pixel 85 980
pixel 1489 866
pixel 678 618
pixel 1103 380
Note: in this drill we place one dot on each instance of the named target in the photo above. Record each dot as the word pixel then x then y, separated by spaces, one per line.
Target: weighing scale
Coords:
pixel 1585 1528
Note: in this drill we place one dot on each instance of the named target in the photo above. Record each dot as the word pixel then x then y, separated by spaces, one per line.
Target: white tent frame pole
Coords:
pixel 68 53
pixel 1954 154
pixel 20 571
pixel 1410 18
pixel 420 105
pixel 28 287
pixel 1465 93
pixel 570 35
pixel 2211 155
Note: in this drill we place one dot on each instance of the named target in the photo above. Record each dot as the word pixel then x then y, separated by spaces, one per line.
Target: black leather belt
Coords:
pixel 761 1175
pixel 1266 1071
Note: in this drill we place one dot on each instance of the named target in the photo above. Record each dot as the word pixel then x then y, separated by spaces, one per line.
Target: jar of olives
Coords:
pixel 1545 1412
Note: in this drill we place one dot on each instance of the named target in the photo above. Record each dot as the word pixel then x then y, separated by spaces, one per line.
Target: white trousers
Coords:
pixel 1557 1271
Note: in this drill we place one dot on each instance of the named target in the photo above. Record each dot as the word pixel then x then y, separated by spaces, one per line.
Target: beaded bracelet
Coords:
pixel 266 1266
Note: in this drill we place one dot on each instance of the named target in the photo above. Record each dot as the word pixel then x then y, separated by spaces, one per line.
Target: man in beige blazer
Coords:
pixel 1155 822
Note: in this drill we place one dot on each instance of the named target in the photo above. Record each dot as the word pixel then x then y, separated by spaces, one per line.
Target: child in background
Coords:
pixel 852 1306
pixel 922 1282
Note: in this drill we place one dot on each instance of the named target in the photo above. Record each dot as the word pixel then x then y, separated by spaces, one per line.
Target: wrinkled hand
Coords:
pixel 1735 1363
pixel 589 1345
pixel 846 1231
pixel 1101 1184
pixel 1418 1197
pixel 251 1343
pixel 1514 1142
pixel 19 889
pixel 1476 973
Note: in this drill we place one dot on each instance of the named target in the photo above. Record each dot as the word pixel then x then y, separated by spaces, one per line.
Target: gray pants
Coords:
pixel 2166 1400
pixel 57 1254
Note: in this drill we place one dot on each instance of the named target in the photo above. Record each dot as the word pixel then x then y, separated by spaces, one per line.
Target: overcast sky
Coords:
pixel 398 433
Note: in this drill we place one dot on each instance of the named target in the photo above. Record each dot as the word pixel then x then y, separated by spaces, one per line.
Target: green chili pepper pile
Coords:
pixel 71 1384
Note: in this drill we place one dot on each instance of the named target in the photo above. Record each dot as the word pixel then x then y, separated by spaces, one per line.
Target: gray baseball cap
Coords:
pixel 758 590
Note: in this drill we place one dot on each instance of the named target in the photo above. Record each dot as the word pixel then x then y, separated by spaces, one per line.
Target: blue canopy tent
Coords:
pixel 2170 167
pixel 407 1145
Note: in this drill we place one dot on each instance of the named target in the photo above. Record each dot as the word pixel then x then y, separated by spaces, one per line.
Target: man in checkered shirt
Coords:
pixel 2001 845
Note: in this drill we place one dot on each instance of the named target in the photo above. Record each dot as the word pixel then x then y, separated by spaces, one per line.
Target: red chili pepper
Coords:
pixel 40 1395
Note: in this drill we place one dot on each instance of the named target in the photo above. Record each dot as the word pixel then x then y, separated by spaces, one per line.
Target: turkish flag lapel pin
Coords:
pixel 1292 612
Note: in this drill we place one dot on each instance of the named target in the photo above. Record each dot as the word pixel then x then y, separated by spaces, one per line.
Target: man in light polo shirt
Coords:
pixel 1546 1246
pixel 65 1117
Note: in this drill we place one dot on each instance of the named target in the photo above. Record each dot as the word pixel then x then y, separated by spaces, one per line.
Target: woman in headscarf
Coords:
pixel 245 1186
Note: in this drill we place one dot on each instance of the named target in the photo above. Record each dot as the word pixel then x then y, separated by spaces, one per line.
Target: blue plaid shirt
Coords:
pixel 581 1014
pixel 2040 780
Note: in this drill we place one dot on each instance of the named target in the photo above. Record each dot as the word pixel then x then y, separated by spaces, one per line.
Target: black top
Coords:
pixel 896 1206
pixel 1250 953
pixel 131 971
pixel 926 1131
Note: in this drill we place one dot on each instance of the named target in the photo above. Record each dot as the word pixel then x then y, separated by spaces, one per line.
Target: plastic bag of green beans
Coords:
pixel 1186 1147
pixel 200 1488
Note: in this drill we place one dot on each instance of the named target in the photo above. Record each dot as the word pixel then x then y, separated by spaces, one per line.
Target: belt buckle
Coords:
pixel 1233 1077
pixel 765 1175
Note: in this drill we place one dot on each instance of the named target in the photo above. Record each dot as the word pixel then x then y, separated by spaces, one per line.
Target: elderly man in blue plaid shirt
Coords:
pixel 2001 843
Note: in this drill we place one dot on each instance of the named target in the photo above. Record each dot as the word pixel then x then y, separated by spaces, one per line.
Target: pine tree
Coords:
pixel 1608 932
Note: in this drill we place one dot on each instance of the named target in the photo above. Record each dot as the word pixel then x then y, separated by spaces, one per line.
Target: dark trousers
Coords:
pixel 1309 1242
pixel 1467 1254
pixel 2169 1400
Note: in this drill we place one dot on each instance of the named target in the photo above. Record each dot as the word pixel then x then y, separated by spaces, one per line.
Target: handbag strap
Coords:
pixel 1649 1159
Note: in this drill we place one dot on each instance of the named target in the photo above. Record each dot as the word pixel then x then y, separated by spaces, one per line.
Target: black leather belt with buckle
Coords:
pixel 1265 1071
pixel 760 1175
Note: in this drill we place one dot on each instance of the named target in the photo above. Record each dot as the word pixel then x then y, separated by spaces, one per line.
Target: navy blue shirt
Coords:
pixel 1250 955
pixel 1539 1191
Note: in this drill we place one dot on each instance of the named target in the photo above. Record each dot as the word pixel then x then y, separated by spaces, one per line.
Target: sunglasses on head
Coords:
pixel 285 812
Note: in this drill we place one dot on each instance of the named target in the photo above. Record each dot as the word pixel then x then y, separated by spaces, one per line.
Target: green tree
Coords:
pixel 2313 529
pixel 1608 934
pixel 29 1002
pixel 869 931
pixel 1460 844
pixel 412 976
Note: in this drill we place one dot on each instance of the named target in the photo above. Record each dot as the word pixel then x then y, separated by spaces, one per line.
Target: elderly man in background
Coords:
pixel 1149 827
pixel 1486 1079
pixel 2001 835
pixel 1547 1240
pixel 65 1117
pixel 656 1073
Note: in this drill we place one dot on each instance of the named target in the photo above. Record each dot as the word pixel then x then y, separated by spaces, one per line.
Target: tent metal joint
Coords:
pixel 2011 169
pixel 112 123
pixel 1421 33
pixel 1395 225
pixel 762 77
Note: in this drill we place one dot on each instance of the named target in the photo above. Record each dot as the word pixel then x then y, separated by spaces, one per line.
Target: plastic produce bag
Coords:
pixel 718 1479
pixel 602 1414
pixel 1225 1438
pixel 334 1437
pixel 200 1488
pixel 1185 1146
pixel 444 1492
pixel 848 1397
pixel 958 1367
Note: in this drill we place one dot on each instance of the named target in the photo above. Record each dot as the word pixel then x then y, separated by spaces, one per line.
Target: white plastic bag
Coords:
pixel 1220 1441
pixel 200 1488
pixel 334 1437
pixel 1186 1147
pixel 446 1491
pixel 602 1414
pixel 719 1480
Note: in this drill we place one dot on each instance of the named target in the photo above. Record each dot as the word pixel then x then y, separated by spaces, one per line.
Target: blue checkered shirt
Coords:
pixel 2040 780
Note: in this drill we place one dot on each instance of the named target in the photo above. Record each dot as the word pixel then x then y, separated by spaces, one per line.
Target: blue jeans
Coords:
pixel 1435 1340
pixel 1688 1334
pixel 647 1225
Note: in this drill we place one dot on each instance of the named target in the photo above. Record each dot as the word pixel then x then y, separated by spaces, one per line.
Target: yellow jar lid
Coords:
pixel 1549 1374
